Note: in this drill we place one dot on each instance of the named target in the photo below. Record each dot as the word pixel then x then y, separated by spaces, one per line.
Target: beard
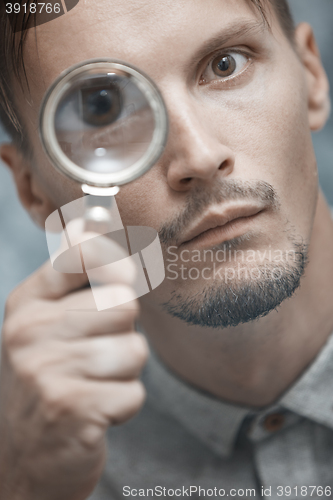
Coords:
pixel 222 305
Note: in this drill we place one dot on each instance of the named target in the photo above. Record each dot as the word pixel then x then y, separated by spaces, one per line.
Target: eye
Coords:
pixel 223 66
pixel 98 102
pixel 101 106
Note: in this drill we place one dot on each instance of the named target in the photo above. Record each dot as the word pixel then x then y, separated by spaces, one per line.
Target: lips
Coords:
pixel 221 224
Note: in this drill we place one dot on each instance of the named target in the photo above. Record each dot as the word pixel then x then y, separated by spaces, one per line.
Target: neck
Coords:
pixel 254 363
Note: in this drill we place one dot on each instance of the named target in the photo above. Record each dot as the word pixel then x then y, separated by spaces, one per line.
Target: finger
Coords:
pixel 114 358
pixel 49 284
pixel 92 323
pixel 99 251
pixel 100 402
pixel 114 294
pixel 117 401
pixel 72 317
pixel 45 283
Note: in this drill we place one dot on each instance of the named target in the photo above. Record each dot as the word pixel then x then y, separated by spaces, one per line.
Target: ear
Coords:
pixel 30 192
pixel 318 86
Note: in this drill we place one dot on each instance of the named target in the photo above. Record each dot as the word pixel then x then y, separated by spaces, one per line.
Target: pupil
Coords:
pixel 224 64
pixel 101 106
pixel 99 103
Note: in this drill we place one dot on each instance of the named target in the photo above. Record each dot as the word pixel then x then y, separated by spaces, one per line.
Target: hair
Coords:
pixel 12 59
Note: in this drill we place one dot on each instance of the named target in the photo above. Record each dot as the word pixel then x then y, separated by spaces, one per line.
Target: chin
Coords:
pixel 221 295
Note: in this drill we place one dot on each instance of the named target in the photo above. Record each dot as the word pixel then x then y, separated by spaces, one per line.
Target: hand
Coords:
pixel 66 375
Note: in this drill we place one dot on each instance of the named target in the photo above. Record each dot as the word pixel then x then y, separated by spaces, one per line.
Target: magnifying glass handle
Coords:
pixel 98 217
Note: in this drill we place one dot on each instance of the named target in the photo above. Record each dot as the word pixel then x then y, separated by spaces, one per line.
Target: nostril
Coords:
pixel 224 165
pixel 186 180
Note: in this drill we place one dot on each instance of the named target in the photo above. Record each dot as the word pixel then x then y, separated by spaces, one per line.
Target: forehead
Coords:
pixel 150 34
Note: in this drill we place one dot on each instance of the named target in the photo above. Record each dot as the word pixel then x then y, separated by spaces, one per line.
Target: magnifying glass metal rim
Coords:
pixel 59 158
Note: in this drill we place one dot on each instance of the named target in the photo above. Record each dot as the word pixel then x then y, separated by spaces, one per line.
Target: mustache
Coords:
pixel 199 200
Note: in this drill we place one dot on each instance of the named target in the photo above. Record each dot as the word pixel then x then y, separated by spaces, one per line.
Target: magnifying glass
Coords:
pixel 103 124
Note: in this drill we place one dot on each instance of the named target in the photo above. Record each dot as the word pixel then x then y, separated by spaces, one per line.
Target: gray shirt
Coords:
pixel 184 440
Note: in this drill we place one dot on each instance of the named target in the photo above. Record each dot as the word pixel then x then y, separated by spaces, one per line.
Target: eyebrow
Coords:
pixel 227 35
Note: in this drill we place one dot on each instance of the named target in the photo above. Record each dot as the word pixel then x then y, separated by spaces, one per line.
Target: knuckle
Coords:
pixel 28 369
pixel 91 436
pixel 56 401
pixel 20 328
pixel 7 335
pixel 24 327
pixel 13 333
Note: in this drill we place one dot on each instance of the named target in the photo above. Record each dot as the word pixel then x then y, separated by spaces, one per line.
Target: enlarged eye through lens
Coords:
pixel 224 66
pixel 101 105
pixel 103 123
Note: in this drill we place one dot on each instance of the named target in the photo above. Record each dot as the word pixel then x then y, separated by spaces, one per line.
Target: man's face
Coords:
pixel 239 145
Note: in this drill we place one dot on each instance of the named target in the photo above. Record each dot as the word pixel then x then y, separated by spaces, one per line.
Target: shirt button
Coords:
pixel 274 422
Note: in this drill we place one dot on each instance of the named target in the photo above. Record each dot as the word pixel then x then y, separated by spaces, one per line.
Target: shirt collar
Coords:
pixel 311 396
pixel 210 420
pixel 217 423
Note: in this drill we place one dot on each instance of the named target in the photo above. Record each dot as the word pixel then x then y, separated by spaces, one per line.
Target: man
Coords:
pixel 239 385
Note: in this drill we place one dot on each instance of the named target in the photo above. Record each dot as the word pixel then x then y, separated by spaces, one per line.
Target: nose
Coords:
pixel 194 154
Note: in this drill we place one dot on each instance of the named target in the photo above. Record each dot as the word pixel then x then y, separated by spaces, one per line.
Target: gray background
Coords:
pixel 22 244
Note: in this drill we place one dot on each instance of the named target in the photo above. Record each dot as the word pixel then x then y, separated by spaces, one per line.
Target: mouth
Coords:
pixel 217 228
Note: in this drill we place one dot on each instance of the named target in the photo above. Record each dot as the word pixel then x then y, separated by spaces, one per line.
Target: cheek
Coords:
pixel 286 149
pixel 146 201
pixel 268 130
pixel 268 125
pixel 59 189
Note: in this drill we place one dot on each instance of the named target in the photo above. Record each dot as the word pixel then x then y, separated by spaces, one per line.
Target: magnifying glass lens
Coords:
pixel 104 122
